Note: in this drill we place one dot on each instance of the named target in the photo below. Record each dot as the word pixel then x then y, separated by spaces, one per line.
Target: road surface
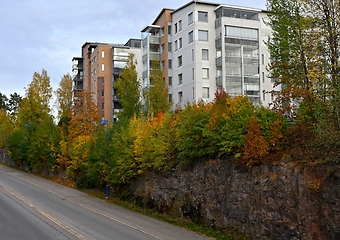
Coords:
pixel 36 208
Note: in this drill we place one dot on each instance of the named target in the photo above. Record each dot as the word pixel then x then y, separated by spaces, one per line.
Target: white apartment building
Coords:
pixel 208 46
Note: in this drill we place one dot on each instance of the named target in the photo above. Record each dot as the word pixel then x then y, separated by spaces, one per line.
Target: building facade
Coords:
pixel 203 47
pixel 98 70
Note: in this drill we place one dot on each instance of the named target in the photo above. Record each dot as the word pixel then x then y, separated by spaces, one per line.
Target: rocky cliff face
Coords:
pixel 283 201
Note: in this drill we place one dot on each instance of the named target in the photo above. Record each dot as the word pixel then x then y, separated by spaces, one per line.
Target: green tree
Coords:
pixel 326 36
pixel 128 87
pixel 13 103
pixel 3 101
pixel 289 49
pixel 64 96
pixel 156 96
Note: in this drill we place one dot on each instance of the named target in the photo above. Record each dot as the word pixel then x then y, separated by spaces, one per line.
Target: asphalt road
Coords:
pixel 35 208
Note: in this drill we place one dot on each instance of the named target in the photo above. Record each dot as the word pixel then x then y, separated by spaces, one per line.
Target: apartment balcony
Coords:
pixel 218 43
pixel 252 80
pixel 115 97
pixel 218 62
pixel 219 81
pixel 251 60
pixel 154 55
pixel 233 79
pixel 77 78
pixel 116 70
pixel 239 41
pixel 145 58
pixel 252 93
pixel 78 87
pixel 77 67
pixel 145 42
pixel 233 59
pixel 153 39
pixel 145 74
pixel 218 22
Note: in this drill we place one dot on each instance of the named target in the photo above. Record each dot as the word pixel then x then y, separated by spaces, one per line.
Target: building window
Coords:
pixel 180 96
pixel 191 36
pixel 170 81
pixel 264 95
pixel 205 73
pixel 169 47
pixel 103 54
pixel 103 106
pixel 169 30
pixel 193 73
pixel 102 93
pixel 202 16
pixel 179 61
pixel 263 77
pixel 102 80
pixel 169 63
pixel 202 35
pixel 175 27
pixel 162 32
pixel 163 65
pixel 190 18
pixel 176 45
pixel 103 67
pixel 162 48
pixel 180 78
pixel 205 92
pixel 262 59
pixel 192 54
pixel 180 42
pixel 170 97
pixel 180 25
pixel 193 93
pixel 205 54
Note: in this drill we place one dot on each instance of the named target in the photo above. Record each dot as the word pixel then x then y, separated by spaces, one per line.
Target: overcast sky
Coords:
pixel 37 34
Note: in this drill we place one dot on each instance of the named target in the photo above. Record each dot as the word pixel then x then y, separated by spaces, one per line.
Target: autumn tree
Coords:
pixel 64 96
pixel 128 87
pixel 156 96
pixel 6 128
pixel 84 120
pixel 36 105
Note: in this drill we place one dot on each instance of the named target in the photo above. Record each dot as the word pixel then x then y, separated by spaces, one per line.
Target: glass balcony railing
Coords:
pixel 219 80
pixel 154 39
pixel 154 55
pixel 239 41
pixel 219 62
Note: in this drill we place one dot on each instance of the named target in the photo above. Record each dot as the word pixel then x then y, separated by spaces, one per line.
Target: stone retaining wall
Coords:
pixel 284 201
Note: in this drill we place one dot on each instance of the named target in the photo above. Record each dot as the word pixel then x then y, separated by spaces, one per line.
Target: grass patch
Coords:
pixel 227 234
